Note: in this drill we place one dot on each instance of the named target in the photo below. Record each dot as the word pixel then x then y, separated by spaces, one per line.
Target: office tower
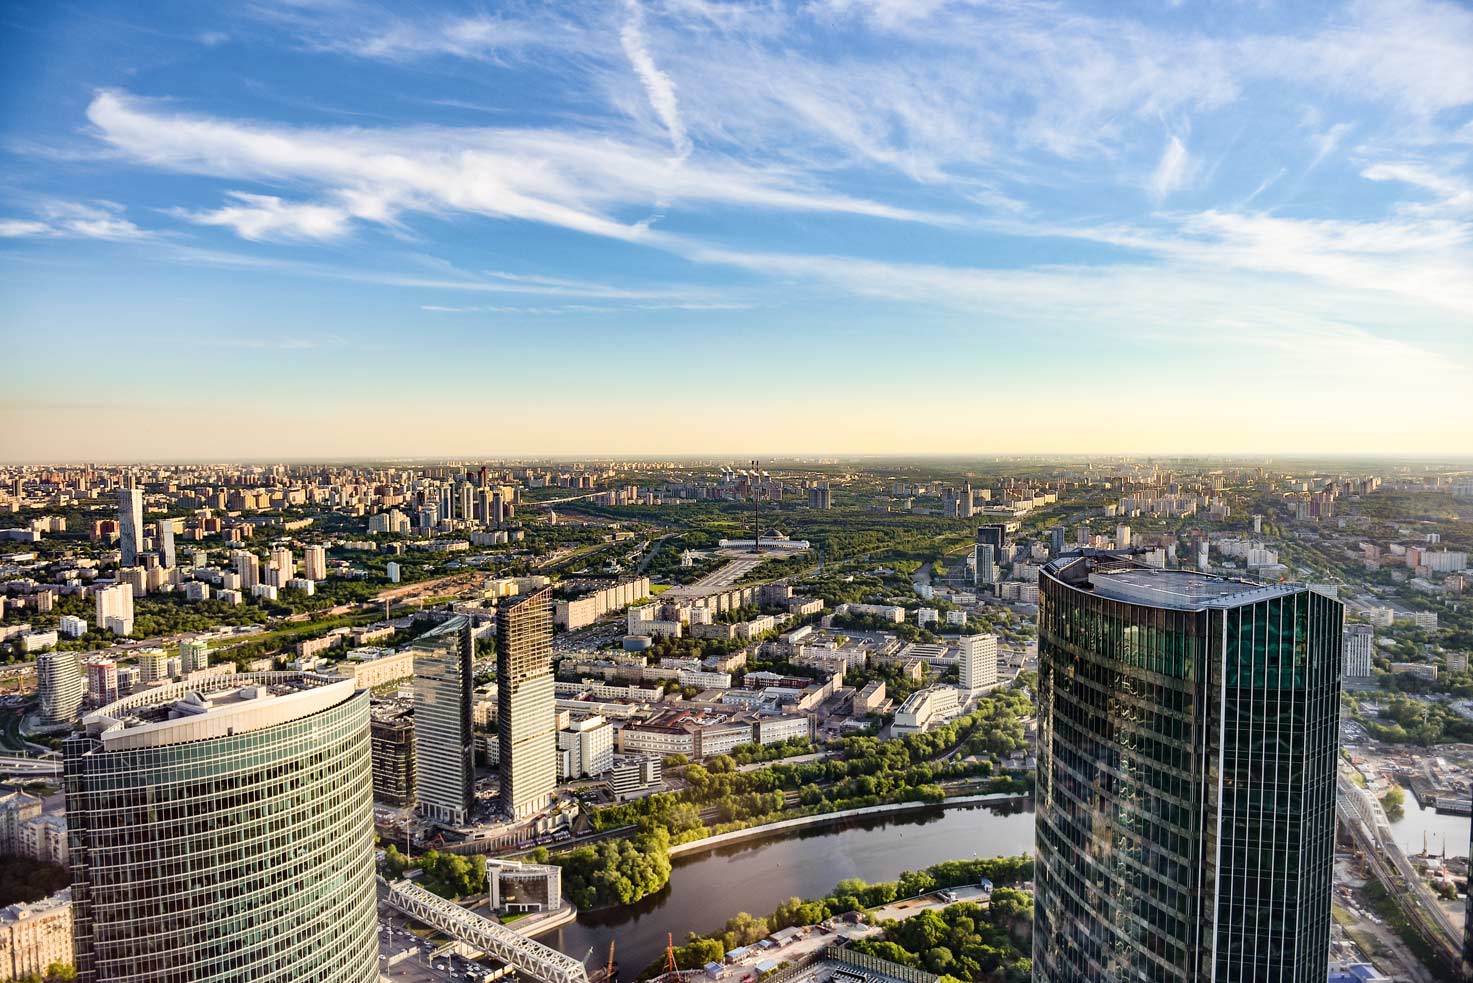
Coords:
pixel 115 609
pixel 998 535
pixel 314 564
pixel 247 568
pixel 166 542
pixel 526 706
pixel 986 569
pixel 1056 541
pixel 1359 643
pixel 442 721
pixel 59 686
pixel 1187 732
pixel 102 682
pixel 223 830
pixel 392 733
pixel 977 664
pixel 130 525
pixel 194 655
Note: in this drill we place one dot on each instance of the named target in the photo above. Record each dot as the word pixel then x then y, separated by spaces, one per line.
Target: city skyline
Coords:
pixel 337 232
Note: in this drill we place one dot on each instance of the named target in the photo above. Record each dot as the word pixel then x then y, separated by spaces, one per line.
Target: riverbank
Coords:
pixel 705 889
pixel 829 818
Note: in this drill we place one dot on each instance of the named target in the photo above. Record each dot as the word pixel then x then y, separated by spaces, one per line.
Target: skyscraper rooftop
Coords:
pixel 1118 578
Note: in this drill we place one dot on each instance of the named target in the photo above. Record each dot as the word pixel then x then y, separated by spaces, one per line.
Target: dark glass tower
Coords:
pixel 1186 776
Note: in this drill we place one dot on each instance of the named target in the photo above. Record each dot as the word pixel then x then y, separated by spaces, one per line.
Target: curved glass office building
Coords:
pixel 221 831
pixel 1186 776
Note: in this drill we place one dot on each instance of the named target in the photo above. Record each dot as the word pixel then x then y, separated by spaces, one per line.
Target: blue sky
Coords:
pixel 326 227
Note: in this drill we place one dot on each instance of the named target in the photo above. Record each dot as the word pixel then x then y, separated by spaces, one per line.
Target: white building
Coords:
pixel 115 609
pixel 585 748
pixel 977 663
pixel 59 685
pixel 925 708
pixel 72 626
pixel 392 569
pixel 1359 643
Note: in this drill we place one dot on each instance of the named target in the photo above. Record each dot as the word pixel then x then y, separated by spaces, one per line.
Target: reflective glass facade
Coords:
pixel 245 857
pixel 1186 778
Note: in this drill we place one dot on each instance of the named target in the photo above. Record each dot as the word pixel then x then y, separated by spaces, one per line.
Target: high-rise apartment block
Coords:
pixel 223 830
pixel 194 655
pixel 1359 643
pixel 444 762
pixel 314 563
pixel 1187 736
pixel 102 681
pixel 130 525
pixel 392 731
pixel 247 568
pixel 977 663
pixel 526 705
pixel 115 609
pixel 59 686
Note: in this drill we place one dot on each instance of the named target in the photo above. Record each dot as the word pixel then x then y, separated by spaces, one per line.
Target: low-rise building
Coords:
pixel 925 708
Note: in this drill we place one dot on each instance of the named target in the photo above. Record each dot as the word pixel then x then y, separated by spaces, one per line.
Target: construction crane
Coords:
pixel 609 971
pixel 670 966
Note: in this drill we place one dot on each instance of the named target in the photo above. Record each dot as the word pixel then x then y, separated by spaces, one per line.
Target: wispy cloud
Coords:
pixel 75 220
pixel 1172 171
pixel 263 217
pixel 657 85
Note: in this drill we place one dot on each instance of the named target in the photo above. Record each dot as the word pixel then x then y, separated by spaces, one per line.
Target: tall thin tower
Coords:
pixel 526 705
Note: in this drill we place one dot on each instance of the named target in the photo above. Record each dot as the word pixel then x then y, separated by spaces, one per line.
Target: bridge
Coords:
pixel 1362 815
pixel 30 767
pixel 495 940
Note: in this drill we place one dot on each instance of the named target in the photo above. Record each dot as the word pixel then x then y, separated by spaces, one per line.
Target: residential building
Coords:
pixel 274 827
pixel 1359 643
pixel 59 686
pixel 1177 712
pixel 526 705
pixel 977 663
pixel 115 609
pixel 444 756
pixel 72 626
pixel 194 655
pixel 35 935
pixel 314 563
pixel 102 681
pixel 167 529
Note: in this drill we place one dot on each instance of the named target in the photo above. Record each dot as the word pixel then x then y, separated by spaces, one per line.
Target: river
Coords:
pixel 1449 833
pixel 707 889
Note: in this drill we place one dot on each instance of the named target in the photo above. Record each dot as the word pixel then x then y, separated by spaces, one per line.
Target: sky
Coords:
pixel 296 228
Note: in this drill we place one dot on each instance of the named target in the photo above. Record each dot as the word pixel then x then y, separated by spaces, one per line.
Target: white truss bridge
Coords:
pixel 495 940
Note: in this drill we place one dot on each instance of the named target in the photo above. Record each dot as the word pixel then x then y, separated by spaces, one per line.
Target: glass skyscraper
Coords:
pixel 444 746
pixel 223 830
pixel 1186 776
pixel 526 705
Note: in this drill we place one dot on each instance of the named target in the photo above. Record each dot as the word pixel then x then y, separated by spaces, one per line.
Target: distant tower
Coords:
pixel 130 525
pixel 756 522
pixel 59 685
pixel 526 705
pixel 166 542
pixel 977 665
